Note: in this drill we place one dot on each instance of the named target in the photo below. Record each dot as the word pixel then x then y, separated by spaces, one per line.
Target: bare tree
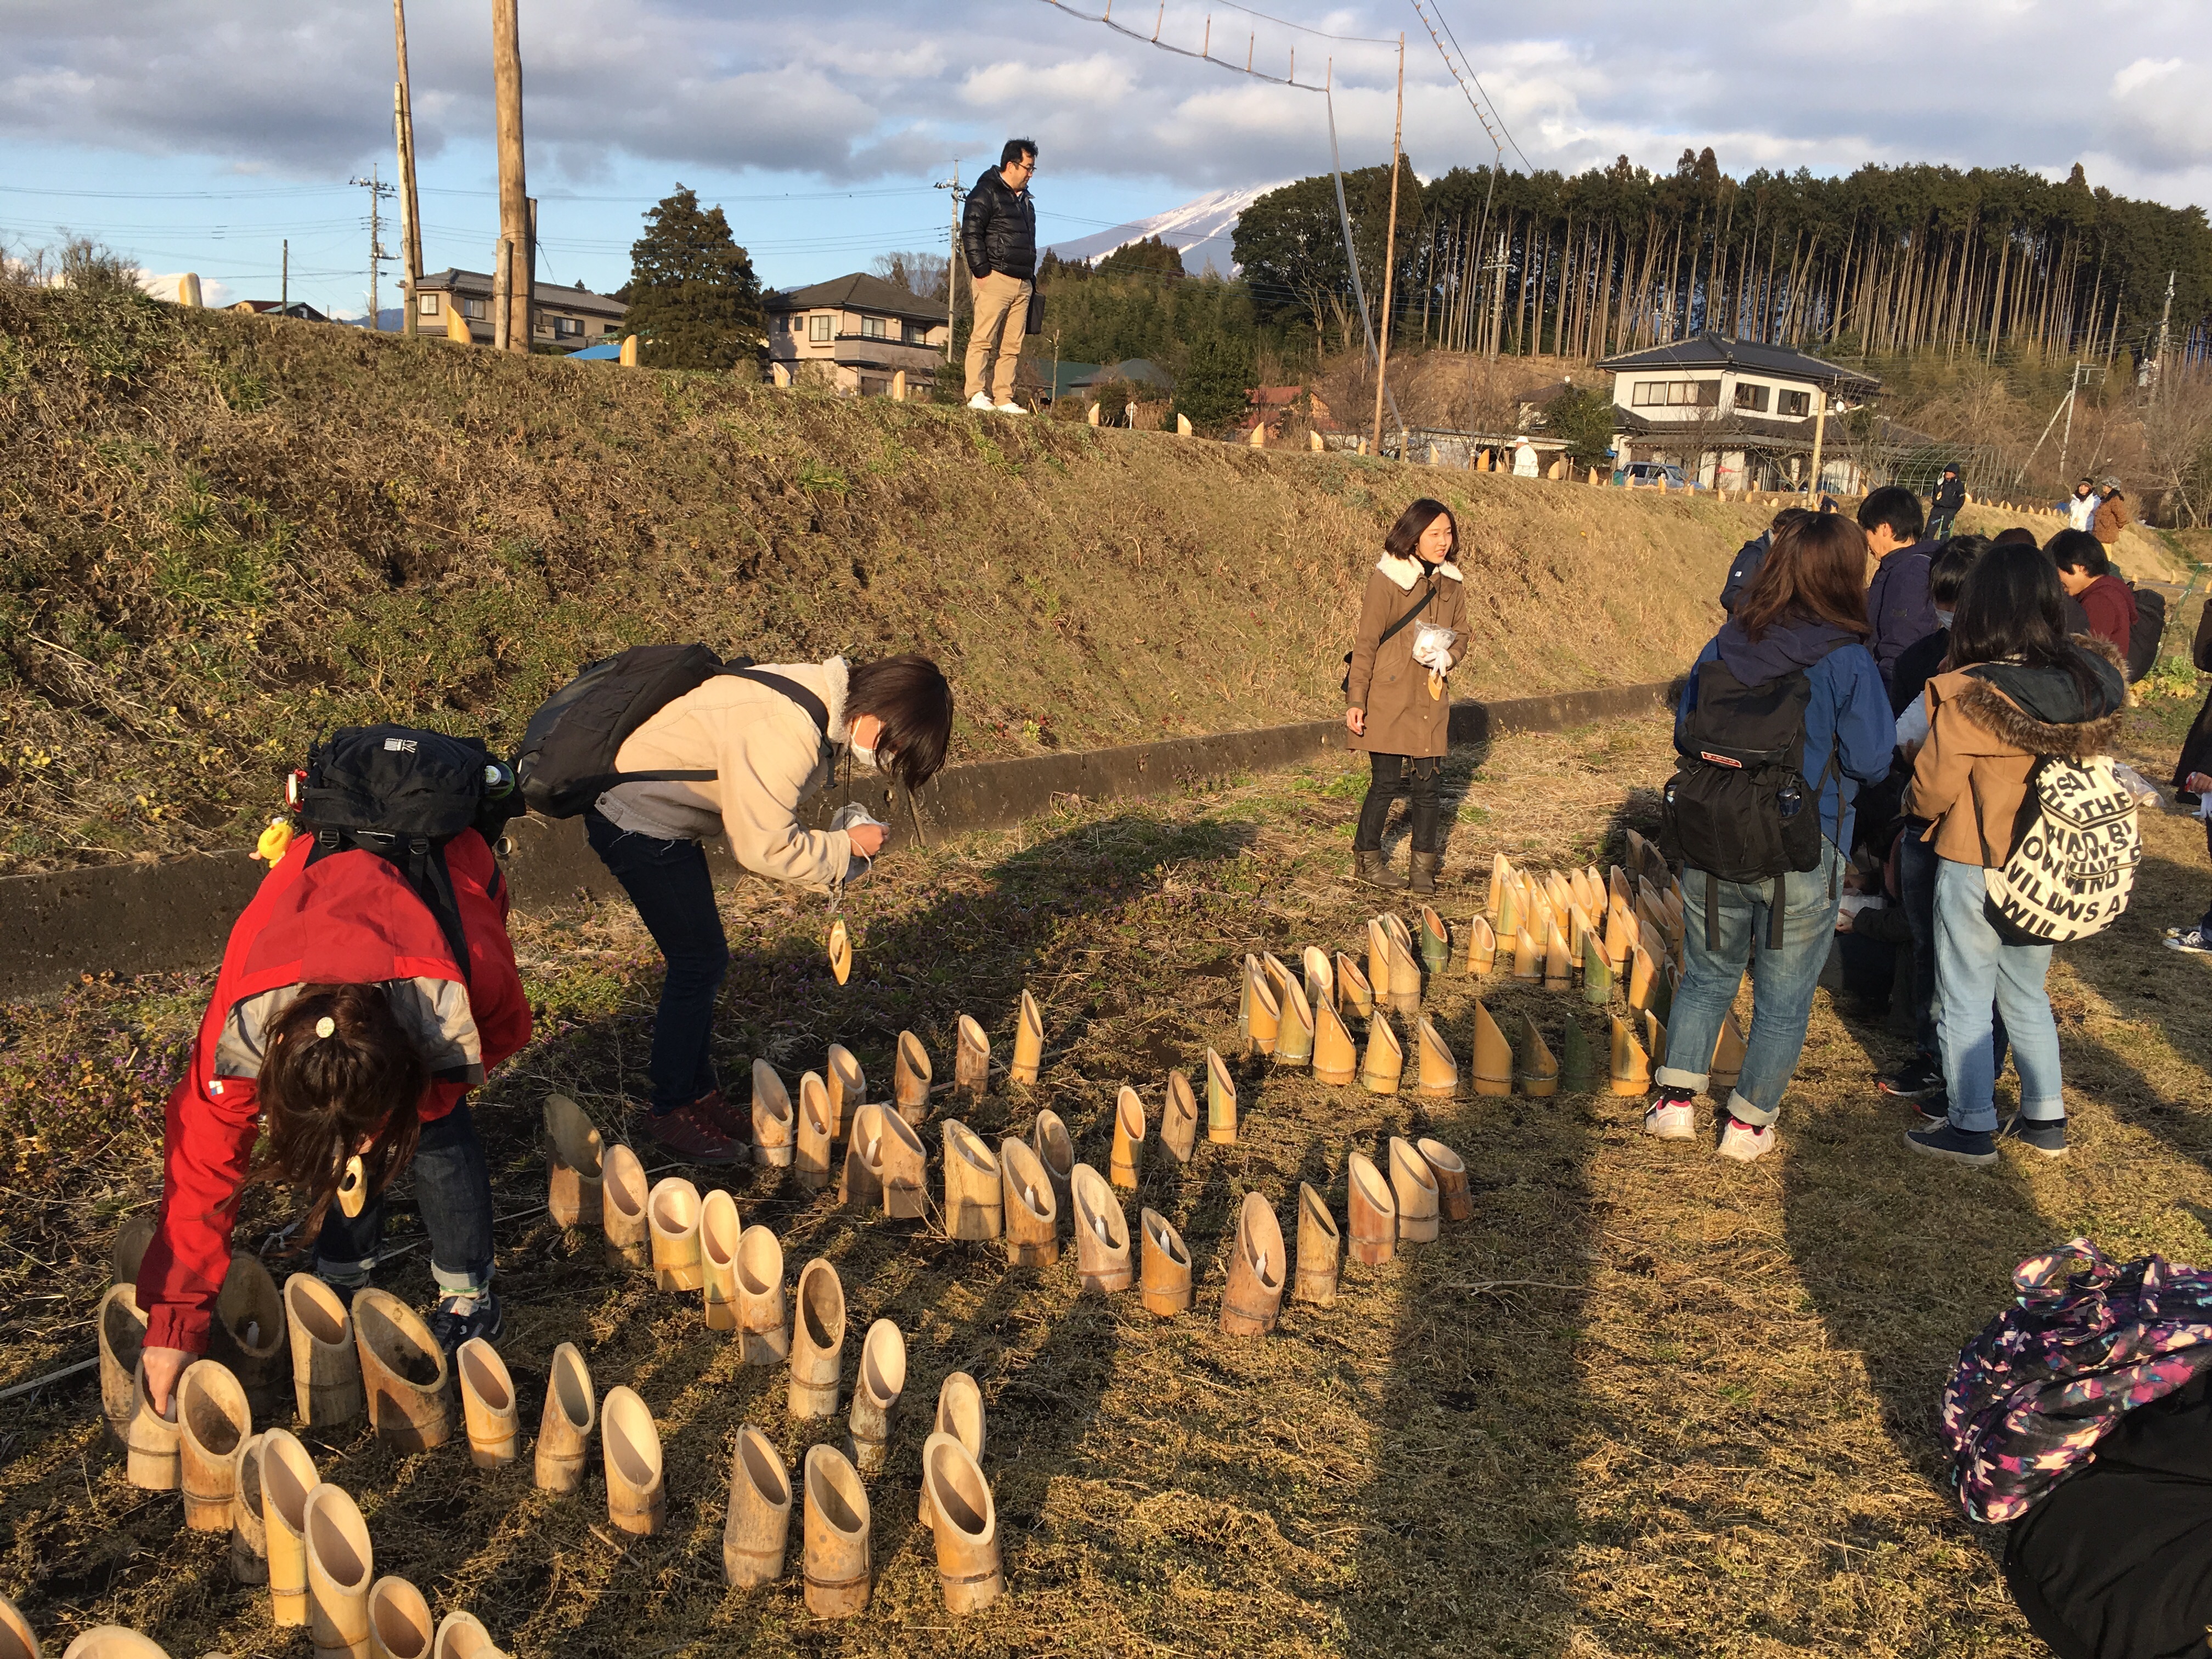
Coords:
pixel 2176 429
pixel 921 275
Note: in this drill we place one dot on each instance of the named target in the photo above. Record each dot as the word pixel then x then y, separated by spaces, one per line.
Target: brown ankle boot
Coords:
pixel 1426 868
pixel 1371 870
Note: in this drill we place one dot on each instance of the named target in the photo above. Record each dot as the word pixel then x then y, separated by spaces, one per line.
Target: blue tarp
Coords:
pixel 607 351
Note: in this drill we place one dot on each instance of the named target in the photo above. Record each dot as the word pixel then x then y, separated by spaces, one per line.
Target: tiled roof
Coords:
pixel 1710 350
pixel 857 292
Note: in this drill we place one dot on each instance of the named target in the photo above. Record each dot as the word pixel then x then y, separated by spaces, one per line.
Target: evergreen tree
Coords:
pixel 694 300
pixel 1147 254
pixel 1583 418
pixel 1216 385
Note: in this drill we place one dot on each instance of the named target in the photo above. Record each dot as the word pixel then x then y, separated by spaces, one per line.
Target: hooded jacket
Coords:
pixel 2111 518
pixel 1898 608
pixel 348 919
pixel 2110 605
pixel 1950 494
pixel 1987 726
pixel 1402 718
pixel 998 229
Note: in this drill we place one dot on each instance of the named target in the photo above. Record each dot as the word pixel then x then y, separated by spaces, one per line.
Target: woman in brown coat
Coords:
pixel 1401 710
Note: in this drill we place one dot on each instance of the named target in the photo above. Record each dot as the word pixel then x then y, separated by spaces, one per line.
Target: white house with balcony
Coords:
pixel 854 333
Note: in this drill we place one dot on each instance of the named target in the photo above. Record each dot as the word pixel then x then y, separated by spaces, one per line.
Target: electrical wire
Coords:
pixel 1493 116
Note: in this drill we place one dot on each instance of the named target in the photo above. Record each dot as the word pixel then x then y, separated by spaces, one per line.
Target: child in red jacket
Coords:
pixel 342 1028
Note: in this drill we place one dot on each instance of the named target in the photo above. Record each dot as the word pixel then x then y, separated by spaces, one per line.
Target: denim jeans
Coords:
pixel 1418 775
pixel 667 881
pixel 1781 981
pixel 1916 884
pixel 453 1192
pixel 1975 965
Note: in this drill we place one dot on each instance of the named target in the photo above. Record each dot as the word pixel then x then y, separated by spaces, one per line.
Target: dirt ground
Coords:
pixel 1645 1403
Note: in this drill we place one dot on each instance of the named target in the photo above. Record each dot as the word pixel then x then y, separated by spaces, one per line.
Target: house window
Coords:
pixel 1691 394
pixel 1794 403
pixel 872 328
pixel 818 328
pixel 1751 398
pixel 567 328
pixel 917 333
pixel 475 310
pixel 426 305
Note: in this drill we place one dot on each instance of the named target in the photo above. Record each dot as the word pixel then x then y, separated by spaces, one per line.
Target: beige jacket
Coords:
pixel 769 760
pixel 1402 718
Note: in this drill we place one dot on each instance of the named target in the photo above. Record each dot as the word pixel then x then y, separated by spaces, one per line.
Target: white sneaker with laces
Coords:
pixel 1745 1142
pixel 1671 1120
pixel 1012 408
pixel 982 400
pixel 2191 941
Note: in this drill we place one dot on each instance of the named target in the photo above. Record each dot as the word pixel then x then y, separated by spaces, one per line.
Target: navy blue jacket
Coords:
pixel 1898 608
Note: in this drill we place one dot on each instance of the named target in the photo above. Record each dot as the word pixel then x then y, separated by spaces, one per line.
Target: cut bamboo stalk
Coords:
pixel 1727 1059
pixel 1028 1042
pixel 1556 976
pixel 848 1087
pixel 1258 1015
pixel 564 1433
pixel 1453 1195
pixel 1597 972
pixel 403 1371
pixel 1405 995
pixel 1373 1210
pixel 1320 1247
pixel 1493 1055
pixel 1221 1101
pixel 911 1076
pixel 1619 935
pixel 637 1486
pixel 876 1390
pixel 1436 941
pixel 622 1219
pixel 248 1333
pixel 122 1331
pixel 1320 978
pixel 288 1475
pixel 971 1063
pixel 1632 1067
pixel 1655 1037
pixel 1662 992
pixel 1179 1114
pixel 818 1341
pixel 1642 971
pixel 1579 933
pixel 1535 1073
pixel 1126 1158
pixel 774 1125
pixel 1163 1278
pixel 839 1573
pixel 1413 1188
pixel 113 1642
pixel 1055 1150
pixel 17 1639
pixel 1026 1201
pixel 673 1212
pixel 574 1156
pixel 960 1415
pixel 1577 1065
pixel 860 1187
pixel 152 1455
pixel 487 1405
pixel 1278 976
pixel 1335 1056
pixel 841 950
pixel 966 1524
pixel 718 1233
pixel 1439 1072
pixel 1385 1063
pixel 1378 958
pixel 400 1622
pixel 213 1421
pixel 758 1528
pixel 1481 948
pixel 1616 886
pixel 1102 1234
pixel 764 1315
pixel 1527 958
pixel 462 1636
pixel 815 1131
pixel 341 1566
pixel 1355 995
pixel 249 1535
pixel 1500 873
pixel 1509 917
pixel 905 1170
pixel 129 1251
pixel 1252 1297
pixel 1641 855
pixel 974 1207
pixel 1294 1029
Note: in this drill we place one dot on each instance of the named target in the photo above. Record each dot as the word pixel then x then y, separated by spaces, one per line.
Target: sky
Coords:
pixel 193 135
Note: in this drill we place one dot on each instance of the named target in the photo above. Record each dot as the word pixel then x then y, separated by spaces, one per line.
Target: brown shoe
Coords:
pixel 715 1108
pixel 1426 868
pixel 693 1136
pixel 1371 870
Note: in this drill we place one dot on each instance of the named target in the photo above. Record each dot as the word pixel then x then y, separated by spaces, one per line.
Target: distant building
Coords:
pixel 298 309
pixel 855 331
pixel 1734 414
pixel 1272 406
pixel 561 316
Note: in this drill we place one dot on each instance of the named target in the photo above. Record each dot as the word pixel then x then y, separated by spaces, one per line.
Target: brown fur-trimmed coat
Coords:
pixel 1402 718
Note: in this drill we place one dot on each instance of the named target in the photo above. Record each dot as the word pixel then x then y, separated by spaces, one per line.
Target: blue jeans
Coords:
pixel 1915 884
pixel 667 880
pixel 1974 965
pixel 453 1192
pixel 1781 981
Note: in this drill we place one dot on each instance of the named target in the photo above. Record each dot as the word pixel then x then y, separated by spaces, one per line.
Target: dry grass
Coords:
pixel 1705 1427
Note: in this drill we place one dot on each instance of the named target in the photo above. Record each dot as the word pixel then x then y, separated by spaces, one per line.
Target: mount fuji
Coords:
pixel 1200 229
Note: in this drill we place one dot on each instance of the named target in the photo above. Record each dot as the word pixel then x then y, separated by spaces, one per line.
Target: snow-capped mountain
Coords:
pixel 1200 229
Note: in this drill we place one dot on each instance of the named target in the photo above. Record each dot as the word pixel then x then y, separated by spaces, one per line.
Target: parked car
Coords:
pixel 1649 475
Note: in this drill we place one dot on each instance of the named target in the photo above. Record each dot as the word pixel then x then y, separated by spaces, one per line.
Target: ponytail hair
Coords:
pixel 340 1076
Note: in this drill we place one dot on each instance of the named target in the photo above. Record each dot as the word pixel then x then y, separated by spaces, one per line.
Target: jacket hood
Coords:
pixel 2043 711
pixel 1405 571
pixel 1783 648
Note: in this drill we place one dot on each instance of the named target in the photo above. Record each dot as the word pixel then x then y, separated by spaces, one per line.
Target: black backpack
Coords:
pixel 2149 629
pixel 1738 806
pixel 566 760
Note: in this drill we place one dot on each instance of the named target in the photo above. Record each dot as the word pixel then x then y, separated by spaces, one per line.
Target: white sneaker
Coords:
pixel 1012 408
pixel 1745 1143
pixel 1671 1120
pixel 982 400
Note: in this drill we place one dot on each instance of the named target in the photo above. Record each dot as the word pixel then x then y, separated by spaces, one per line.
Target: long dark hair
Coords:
pixel 2012 609
pixel 323 1095
pixel 910 695
pixel 1815 572
pixel 1404 541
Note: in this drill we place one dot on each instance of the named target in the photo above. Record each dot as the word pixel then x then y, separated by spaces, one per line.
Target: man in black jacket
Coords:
pixel 997 239
pixel 1943 506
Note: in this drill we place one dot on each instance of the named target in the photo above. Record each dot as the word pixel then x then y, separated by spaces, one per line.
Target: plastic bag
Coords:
pixel 1433 646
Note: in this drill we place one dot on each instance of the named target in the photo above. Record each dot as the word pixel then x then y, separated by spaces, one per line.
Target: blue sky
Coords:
pixel 196 135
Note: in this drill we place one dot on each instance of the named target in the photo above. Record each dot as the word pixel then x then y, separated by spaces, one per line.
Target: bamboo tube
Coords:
pixel 719 1231
pixel 966 1524
pixel 1535 1073
pixel 1439 1072
pixel 1662 992
pixel 288 1475
pixel 818 1341
pixel 1164 1276
pixel 113 1642
pixel 971 1061
pixel 1481 948
pixel 764 1316
pixel 1221 1101
pixel 1413 1188
pixel 122 1333
pixel 1373 1210
pixel 1126 1158
pixel 1294 1029
pixel 758 1528
pixel 1179 1114
pixel 774 1126
pixel 1639 855
pixel 673 1211
pixel 637 1487
pixel 213 1421
pixel 1654 1038
pixel 1727 1059
pixel 1378 958
pixel 1556 960
pixel 1386 1058
pixel 815 1130
pixel 1252 1298
pixel 1528 959
pixel 564 1433
pixel 1320 978
pixel 839 1573
pixel 1493 1055
pixel 1278 977
pixel 1577 1065
pixel 341 1566
pixel 848 1087
pixel 876 1390
pixel 1258 1015
pixel 1436 941
pixel 860 1187
pixel 1355 995
pixel 1500 873
pixel 1102 1234
pixel 462 1635
pixel 400 1622
pixel 974 1207
pixel 1453 1195
pixel 1028 1042
pixel 960 1415
pixel 152 1455
pixel 1320 1247
pixel 1616 886
pixel 249 1535
pixel 1055 1150
pixel 1027 1201
pixel 1642 971
pixel 1404 994
pixel 841 950
pixel 623 1217
pixel 248 1334
pixel 488 1407
pixel 1632 1067
pixel 905 1170
pixel 1578 932
pixel 911 1076
pixel 1620 934
pixel 17 1639
pixel 1508 917
pixel 1597 972
pixel 1335 1056
pixel 402 1372
pixel 574 1155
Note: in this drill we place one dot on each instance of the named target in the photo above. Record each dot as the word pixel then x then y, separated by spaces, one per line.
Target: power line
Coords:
pixel 1486 119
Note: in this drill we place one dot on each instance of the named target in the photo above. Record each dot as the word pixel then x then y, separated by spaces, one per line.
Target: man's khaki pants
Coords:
pixel 994 346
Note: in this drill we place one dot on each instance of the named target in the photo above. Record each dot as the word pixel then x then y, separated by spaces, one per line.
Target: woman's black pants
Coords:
pixel 1416 775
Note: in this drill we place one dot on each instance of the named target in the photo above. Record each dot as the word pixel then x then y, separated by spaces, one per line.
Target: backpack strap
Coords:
pixel 421 863
pixel 816 710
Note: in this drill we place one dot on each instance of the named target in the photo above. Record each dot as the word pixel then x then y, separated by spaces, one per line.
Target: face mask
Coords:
pixel 866 756
pixel 1944 617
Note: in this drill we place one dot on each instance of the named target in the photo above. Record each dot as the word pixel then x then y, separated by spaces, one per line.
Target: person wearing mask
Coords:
pixel 1803 614
pixel 1752 553
pixel 1412 633
pixel 739 756
pixel 998 240
pixel 1943 505
pixel 1897 607
pixel 2018 688
pixel 2108 604
pixel 2081 507
pixel 2111 516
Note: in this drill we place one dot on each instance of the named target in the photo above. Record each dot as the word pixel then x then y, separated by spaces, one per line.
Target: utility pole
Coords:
pixel 410 206
pixel 952 261
pixel 2165 319
pixel 1391 254
pixel 378 189
pixel 510 296
pixel 284 303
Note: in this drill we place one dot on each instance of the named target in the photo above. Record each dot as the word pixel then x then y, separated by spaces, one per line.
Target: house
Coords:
pixel 1734 414
pixel 298 309
pixel 854 332
pixel 563 318
pixel 1272 406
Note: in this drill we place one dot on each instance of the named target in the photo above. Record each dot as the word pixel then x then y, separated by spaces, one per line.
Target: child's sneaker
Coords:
pixel 1976 1146
pixel 1671 1116
pixel 2046 1135
pixel 1745 1142
pixel 2191 941
pixel 460 1318
pixel 1916 1079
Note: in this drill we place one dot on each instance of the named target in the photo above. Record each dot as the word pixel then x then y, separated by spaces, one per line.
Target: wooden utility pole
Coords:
pixel 1819 432
pixel 411 207
pixel 1390 251
pixel 511 292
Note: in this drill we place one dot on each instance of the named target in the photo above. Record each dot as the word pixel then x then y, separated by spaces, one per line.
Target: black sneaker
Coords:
pixel 1975 1146
pixel 2191 941
pixel 1916 1081
pixel 462 1318
pixel 1934 1108
pixel 2046 1135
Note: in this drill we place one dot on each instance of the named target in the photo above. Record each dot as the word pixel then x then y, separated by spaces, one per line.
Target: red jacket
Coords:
pixel 2110 605
pixel 350 919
